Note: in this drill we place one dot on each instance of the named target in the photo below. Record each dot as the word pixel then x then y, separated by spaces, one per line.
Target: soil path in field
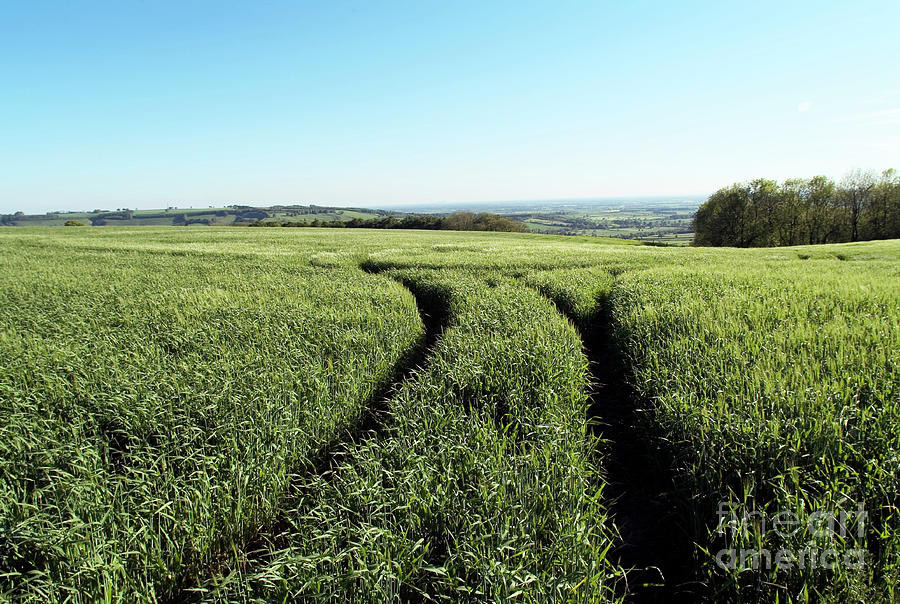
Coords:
pixel 655 542
pixel 373 420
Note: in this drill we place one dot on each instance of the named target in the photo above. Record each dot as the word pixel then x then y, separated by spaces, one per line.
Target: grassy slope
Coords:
pixel 152 404
pixel 778 382
pixel 481 489
pixel 777 368
pixel 774 376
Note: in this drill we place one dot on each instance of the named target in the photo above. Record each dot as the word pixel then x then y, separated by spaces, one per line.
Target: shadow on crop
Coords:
pixel 653 519
pixel 372 422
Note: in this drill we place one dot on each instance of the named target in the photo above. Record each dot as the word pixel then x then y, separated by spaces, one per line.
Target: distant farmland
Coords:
pixel 650 220
pixel 230 215
pixel 310 414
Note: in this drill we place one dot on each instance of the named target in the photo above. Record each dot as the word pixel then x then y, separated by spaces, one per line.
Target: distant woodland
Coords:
pixel 762 213
pixel 458 221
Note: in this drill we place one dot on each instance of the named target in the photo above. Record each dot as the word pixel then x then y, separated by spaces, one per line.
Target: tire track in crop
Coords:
pixel 654 540
pixel 376 415
pixel 372 422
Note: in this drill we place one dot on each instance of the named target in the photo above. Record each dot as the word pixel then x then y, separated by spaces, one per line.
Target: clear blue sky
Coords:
pixel 148 103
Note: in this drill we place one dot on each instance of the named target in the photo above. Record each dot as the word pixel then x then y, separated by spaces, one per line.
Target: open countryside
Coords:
pixel 220 424
pixel 449 302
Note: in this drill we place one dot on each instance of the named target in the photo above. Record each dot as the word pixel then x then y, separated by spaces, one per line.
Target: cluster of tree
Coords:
pixel 241 215
pixel 458 221
pixel 101 218
pixel 863 206
pixel 251 214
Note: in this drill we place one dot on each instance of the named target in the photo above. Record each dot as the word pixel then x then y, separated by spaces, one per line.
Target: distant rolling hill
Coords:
pixel 650 220
pixel 230 215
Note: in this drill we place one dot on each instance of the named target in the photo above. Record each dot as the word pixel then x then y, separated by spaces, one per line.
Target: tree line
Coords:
pixel 761 213
pixel 458 221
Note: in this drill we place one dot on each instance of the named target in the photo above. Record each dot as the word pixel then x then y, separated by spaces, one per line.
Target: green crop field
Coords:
pixel 361 415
